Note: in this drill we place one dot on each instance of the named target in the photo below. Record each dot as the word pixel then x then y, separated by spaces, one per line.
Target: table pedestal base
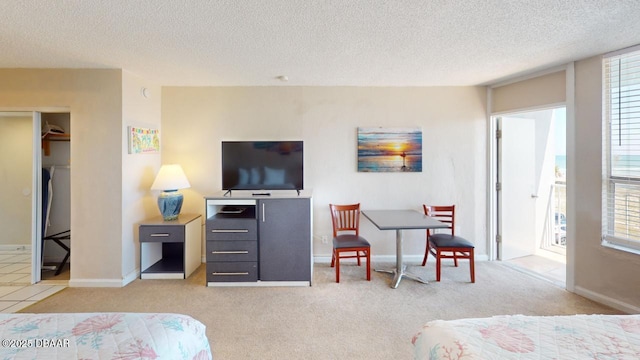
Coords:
pixel 400 270
pixel 398 275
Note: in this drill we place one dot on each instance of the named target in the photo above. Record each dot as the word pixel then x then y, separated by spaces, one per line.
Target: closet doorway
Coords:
pixel 29 211
pixel 56 168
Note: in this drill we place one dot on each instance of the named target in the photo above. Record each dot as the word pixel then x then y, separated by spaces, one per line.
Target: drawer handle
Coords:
pixel 229 273
pixel 159 235
pixel 230 252
pixel 227 231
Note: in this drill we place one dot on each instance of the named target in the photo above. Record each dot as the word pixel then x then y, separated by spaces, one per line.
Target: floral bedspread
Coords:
pixel 117 336
pixel 531 337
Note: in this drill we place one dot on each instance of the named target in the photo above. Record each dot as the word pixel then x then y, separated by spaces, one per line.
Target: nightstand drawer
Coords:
pixel 232 271
pixel 159 233
pixel 232 250
pixel 232 229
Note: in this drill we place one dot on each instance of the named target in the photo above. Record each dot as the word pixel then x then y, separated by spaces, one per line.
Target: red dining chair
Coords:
pixel 447 246
pixel 347 242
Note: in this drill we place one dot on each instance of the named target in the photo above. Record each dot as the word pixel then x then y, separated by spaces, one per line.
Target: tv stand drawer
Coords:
pixel 232 271
pixel 232 229
pixel 232 251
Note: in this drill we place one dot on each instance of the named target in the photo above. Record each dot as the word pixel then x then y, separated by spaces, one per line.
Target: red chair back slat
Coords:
pixel 345 218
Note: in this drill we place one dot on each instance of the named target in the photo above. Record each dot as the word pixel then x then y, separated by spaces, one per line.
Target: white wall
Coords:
pixel 138 170
pixel 196 120
pixel 603 274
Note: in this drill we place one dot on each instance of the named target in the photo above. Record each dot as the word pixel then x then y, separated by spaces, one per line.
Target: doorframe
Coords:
pixel 492 149
pixel 36 199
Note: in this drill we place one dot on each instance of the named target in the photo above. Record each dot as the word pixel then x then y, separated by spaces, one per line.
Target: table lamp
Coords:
pixel 170 178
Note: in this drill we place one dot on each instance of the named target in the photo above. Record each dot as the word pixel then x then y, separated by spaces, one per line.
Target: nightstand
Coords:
pixel 170 249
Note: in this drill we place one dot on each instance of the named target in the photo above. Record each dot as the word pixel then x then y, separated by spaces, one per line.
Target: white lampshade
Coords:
pixel 170 177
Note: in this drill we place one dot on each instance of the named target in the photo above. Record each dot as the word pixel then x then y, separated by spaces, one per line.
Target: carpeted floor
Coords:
pixel 355 319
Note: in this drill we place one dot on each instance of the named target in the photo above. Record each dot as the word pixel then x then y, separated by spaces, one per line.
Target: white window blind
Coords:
pixel 621 146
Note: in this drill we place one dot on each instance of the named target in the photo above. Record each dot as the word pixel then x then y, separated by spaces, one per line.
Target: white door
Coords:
pixel 20 202
pixel 36 245
pixel 517 194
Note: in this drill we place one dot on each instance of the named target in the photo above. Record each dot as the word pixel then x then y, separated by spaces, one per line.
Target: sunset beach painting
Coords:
pixel 389 149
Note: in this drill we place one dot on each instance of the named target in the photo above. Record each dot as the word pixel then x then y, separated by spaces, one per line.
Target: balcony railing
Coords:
pixel 555 233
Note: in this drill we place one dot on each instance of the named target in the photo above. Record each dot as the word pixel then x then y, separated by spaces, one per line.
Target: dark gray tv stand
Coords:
pixel 259 240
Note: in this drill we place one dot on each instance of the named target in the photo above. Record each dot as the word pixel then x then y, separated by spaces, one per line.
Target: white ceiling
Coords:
pixel 314 42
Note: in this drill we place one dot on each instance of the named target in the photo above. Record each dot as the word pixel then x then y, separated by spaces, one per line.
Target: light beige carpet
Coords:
pixel 355 319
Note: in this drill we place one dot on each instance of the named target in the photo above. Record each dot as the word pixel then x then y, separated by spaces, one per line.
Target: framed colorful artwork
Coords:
pixel 389 149
pixel 143 140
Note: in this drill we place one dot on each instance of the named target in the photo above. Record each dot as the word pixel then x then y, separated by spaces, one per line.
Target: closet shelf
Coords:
pixel 53 137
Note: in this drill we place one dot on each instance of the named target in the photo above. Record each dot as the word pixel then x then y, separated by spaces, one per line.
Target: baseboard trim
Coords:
pixel 106 282
pixel 322 259
pixel 131 276
pixel 15 247
pixel 606 300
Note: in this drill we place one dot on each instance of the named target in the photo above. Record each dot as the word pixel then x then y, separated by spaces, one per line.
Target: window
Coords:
pixel 621 147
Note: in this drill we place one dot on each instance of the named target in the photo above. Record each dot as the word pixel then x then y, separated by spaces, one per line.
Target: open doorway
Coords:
pixel 56 168
pixel 531 192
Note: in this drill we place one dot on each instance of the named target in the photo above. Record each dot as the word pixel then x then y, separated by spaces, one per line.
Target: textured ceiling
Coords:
pixel 314 42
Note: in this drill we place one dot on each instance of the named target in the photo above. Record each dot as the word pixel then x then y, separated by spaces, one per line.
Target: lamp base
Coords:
pixel 170 204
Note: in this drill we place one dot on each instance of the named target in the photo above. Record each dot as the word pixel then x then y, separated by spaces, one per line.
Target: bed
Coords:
pixel 531 337
pixel 120 336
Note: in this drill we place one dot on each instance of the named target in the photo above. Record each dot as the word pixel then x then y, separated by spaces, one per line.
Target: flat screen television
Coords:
pixel 262 165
